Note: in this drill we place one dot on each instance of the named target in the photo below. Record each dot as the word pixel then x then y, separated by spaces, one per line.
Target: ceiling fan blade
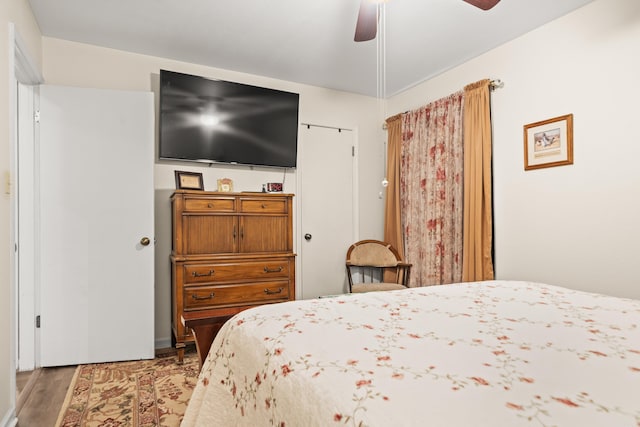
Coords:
pixel 366 26
pixel 483 4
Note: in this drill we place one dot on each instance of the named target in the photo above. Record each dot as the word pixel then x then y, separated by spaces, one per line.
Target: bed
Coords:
pixel 496 353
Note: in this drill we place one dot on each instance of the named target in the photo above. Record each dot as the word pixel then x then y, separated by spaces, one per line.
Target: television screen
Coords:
pixel 217 121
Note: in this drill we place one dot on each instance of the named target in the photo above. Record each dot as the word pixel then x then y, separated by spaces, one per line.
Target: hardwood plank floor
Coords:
pixel 42 392
pixel 42 405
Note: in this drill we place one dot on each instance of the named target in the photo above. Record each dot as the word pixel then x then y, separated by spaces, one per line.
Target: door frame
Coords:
pixel 27 266
pixel 355 220
pixel 22 69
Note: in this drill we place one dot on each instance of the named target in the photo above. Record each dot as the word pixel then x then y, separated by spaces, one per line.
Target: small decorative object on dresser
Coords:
pixel 189 180
pixel 229 252
pixel 225 185
pixel 273 187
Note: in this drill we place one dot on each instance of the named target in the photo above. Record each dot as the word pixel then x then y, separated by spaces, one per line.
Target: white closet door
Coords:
pixel 327 208
pixel 96 205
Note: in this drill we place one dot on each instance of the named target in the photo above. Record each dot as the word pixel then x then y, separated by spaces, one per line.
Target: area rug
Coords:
pixel 141 393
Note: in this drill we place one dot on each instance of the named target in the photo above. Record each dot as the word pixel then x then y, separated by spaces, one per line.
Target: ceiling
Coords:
pixel 303 41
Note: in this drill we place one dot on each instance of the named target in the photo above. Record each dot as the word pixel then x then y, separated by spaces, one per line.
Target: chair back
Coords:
pixel 374 253
pixel 373 265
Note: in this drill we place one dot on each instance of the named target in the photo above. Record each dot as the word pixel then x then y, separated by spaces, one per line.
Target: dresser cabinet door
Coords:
pixel 264 234
pixel 210 234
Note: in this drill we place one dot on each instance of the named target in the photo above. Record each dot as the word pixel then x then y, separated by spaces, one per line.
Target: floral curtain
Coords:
pixel 431 190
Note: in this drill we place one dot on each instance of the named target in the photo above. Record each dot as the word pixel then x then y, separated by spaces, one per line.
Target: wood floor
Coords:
pixel 41 394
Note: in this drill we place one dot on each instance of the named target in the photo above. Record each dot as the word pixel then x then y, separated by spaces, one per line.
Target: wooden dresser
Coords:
pixel 230 251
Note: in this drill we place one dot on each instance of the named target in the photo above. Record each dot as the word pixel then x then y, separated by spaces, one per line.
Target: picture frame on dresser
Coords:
pixel 189 180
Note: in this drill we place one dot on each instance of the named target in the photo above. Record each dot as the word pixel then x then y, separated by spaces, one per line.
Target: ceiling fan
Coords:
pixel 367 23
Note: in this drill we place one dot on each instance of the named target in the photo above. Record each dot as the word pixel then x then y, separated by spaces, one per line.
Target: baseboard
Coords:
pixel 10 419
pixel 163 343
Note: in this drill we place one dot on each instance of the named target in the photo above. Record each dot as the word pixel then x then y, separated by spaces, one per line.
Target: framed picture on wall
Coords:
pixel 549 143
pixel 189 180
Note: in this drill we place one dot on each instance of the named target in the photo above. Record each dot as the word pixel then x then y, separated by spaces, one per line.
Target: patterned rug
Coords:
pixel 141 393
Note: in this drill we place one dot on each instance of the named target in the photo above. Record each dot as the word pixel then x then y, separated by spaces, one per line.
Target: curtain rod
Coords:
pixel 496 84
pixel 493 85
pixel 308 125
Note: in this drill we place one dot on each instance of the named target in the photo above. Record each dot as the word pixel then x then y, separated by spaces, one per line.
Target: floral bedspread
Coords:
pixel 498 353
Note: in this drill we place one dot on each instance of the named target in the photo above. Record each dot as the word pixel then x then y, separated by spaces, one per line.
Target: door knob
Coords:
pixel 145 241
pixel 307 237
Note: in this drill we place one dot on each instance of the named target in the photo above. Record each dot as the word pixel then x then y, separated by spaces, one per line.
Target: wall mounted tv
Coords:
pixel 216 121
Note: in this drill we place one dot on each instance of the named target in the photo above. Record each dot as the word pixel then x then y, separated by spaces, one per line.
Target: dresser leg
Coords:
pixel 180 349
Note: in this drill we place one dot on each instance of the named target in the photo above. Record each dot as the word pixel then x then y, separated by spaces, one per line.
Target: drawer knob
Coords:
pixel 273 270
pixel 199 298
pixel 264 206
pixel 270 292
pixel 209 273
pixel 210 205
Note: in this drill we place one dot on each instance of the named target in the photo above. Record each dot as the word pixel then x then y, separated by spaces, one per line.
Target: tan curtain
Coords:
pixel 477 240
pixel 431 189
pixel 392 220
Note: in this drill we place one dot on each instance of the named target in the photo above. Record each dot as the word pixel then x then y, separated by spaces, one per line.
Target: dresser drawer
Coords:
pixel 205 297
pixel 213 205
pixel 263 205
pixel 236 271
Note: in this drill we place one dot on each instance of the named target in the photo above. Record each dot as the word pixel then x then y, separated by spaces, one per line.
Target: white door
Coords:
pixel 327 208
pixel 96 160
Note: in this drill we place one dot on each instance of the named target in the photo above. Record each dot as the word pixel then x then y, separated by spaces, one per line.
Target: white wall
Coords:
pixel 18 13
pixel 574 226
pixel 75 64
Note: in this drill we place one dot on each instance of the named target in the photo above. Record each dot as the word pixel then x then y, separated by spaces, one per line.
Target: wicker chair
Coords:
pixel 373 265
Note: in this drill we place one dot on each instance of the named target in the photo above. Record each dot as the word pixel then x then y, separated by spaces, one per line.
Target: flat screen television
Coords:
pixel 216 121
